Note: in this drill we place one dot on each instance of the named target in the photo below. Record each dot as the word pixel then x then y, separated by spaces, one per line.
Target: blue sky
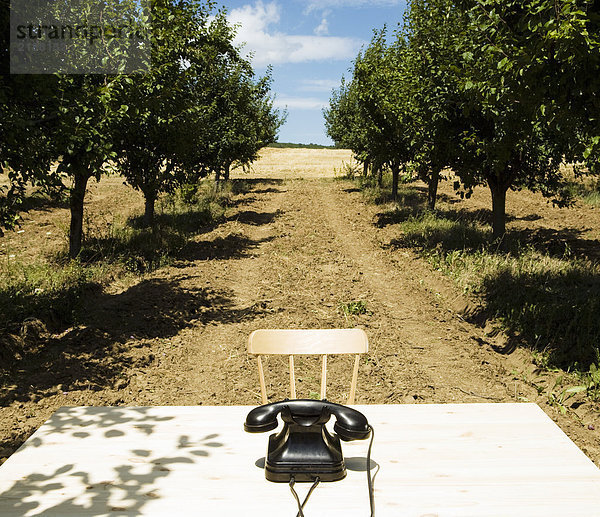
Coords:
pixel 310 45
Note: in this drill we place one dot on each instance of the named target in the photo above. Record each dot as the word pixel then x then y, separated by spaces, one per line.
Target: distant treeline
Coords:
pixel 289 145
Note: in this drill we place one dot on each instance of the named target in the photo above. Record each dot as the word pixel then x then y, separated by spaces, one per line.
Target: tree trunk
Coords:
pixel 365 168
pixel 378 170
pixel 432 187
pixel 217 177
pixel 498 210
pixel 149 202
pixel 76 205
pixel 395 176
pixel 226 172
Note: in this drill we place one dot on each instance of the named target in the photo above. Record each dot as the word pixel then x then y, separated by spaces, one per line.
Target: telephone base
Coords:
pixel 304 474
pixel 304 453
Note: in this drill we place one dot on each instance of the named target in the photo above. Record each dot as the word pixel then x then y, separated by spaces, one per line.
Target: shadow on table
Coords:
pixel 125 491
pixel 359 464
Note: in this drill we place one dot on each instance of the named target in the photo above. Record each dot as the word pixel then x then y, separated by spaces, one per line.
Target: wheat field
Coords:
pixel 278 163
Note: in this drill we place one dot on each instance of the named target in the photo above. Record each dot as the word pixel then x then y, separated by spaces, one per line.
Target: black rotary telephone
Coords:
pixel 304 450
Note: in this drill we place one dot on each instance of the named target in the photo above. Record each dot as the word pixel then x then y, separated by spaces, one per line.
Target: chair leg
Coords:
pixel 261 377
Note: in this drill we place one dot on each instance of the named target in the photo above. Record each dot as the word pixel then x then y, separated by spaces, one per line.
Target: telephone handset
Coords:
pixel 304 449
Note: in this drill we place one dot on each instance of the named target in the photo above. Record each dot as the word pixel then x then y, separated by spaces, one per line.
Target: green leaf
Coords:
pixel 576 389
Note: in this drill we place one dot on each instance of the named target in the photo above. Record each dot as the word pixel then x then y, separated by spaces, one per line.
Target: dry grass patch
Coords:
pixel 297 163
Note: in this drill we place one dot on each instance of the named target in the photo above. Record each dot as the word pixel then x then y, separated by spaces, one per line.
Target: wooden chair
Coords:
pixel 308 342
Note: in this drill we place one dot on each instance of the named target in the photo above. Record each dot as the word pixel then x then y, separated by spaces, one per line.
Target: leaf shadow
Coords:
pixel 63 487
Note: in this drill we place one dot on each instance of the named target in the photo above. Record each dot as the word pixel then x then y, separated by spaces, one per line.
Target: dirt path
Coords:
pixel 290 255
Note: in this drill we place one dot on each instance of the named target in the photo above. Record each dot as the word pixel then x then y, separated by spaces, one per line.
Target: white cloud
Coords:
pixel 323 28
pixel 270 46
pixel 318 85
pixel 257 18
pixel 300 103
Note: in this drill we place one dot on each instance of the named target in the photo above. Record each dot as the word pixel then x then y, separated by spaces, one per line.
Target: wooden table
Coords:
pixel 478 460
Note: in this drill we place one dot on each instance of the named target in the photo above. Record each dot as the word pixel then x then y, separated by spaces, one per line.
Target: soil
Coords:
pixel 295 248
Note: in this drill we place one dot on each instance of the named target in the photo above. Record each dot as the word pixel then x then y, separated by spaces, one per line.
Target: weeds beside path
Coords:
pixel 291 254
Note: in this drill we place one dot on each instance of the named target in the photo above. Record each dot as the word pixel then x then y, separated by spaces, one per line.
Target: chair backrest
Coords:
pixel 302 342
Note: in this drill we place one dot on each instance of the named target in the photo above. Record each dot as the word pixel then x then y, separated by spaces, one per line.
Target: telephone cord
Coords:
pixel 301 506
pixel 317 481
pixel 369 478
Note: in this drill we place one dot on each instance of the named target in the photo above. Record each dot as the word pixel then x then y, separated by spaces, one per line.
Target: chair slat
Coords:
pixel 312 341
pixel 324 376
pixel 354 380
pixel 308 342
pixel 292 378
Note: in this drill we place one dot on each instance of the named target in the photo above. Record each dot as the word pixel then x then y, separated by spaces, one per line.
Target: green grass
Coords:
pixel 590 379
pixel 353 308
pixel 382 194
pixel 47 291
pixel 592 198
pixel 347 171
pixel 427 230
pixel 179 216
pixel 550 300
pixel 372 192
pixel 588 192
pixel 52 290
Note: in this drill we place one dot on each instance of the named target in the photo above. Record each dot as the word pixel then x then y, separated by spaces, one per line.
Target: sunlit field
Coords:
pixel 301 163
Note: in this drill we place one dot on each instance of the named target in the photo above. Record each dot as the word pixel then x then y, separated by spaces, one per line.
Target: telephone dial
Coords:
pixel 304 450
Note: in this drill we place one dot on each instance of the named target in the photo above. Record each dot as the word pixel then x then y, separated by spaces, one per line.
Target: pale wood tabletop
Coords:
pixel 479 460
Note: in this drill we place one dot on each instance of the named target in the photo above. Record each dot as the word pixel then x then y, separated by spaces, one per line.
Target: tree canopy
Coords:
pixel 501 92
pixel 195 107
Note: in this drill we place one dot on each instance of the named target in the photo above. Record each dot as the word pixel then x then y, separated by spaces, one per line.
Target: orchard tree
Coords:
pixel 344 124
pixel 26 150
pixel 27 110
pixel 383 100
pixel 83 139
pixel 433 29
pixel 162 134
pixel 245 121
pixel 236 115
pixel 549 51
pixel 500 91
pixel 75 112
pixel 507 143
pixel 198 109
pixel 372 114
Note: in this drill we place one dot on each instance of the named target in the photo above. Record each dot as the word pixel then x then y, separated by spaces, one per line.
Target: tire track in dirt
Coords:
pixel 315 252
pixel 412 333
pixel 418 350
